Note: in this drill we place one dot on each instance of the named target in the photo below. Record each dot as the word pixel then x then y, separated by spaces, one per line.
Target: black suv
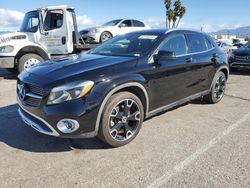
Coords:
pixel 240 58
pixel 110 91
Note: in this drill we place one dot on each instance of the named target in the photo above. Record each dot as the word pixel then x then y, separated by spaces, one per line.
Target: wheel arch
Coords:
pixel 225 70
pixel 133 87
pixel 31 49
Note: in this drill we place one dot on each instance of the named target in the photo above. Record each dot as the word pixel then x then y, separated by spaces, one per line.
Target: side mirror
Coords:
pixel 122 25
pixel 164 56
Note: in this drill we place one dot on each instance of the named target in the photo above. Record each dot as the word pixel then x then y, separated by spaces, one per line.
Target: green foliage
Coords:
pixel 174 13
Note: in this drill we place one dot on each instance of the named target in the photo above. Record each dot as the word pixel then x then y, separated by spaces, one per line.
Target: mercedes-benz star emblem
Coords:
pixel 22 91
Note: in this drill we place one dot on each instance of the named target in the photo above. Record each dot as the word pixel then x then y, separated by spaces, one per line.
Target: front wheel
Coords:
pixel 121 119
pixel 27 61
pixel 105 36
pixel 218 88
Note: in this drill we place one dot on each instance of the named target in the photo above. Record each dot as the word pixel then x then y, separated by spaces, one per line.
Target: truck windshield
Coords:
pixel 30 22
pixel 132 45
pixel 112 23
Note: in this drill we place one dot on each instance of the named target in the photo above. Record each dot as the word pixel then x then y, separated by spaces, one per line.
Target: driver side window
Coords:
pixel 175 43
pixel 53 20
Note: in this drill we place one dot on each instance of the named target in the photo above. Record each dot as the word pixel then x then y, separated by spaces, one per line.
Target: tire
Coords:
pixel 28 60
pixel 105 36
pixel 120 126
pixel 218 89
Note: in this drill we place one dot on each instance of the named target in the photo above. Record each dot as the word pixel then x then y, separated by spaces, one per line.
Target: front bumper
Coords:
pixel 91 38
pixel 45 119
pixel 239 64
pixel 7 62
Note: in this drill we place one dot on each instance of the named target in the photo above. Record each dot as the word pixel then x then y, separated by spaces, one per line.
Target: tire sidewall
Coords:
pixel 26 57
pixel 111 103
pixel 214 99
pixel 105 32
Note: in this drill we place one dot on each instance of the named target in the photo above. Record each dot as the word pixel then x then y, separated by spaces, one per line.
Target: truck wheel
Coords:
pixel 28 60
pixel 122 118
pixel 218 89
pixel 105 36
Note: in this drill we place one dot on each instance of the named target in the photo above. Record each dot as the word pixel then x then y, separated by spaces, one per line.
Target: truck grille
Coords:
pixel 29 94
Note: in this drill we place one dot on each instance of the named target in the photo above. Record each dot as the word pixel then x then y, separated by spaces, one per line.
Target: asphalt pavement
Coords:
pixel 194 145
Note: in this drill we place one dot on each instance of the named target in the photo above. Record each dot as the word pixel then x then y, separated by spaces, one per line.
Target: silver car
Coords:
pixel 110 29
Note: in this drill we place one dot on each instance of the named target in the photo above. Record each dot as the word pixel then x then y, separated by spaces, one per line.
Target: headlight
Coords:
pixel 69 92
pixel 95 30
pixel 6 49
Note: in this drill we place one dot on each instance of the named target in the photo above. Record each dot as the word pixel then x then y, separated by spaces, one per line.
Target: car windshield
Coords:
pixel 30 22
pixel 112 23
pixel 132 45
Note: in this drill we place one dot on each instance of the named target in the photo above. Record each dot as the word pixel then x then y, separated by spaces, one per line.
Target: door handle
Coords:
pixel 189 60
pixel 63 40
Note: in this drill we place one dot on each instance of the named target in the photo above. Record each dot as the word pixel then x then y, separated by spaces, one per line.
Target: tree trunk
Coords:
pixel 167 22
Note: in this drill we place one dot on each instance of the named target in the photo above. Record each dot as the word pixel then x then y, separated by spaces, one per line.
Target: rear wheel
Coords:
pixel 218 89
pixel 121 119
pixel 27 61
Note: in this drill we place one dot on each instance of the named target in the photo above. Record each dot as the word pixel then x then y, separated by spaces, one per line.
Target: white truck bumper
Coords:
pixel 7 62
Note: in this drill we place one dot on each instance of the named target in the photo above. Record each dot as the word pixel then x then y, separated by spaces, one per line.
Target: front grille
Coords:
pixel 36 90
pixel 84 32
pixel 242 58
pixel 33 94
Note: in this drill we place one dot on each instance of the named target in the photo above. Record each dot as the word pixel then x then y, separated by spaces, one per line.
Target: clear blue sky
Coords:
pixel 211 14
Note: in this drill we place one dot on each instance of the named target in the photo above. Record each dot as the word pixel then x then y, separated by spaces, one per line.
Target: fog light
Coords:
pixel 67 125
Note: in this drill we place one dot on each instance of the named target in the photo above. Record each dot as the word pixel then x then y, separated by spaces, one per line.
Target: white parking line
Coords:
pixel 185 163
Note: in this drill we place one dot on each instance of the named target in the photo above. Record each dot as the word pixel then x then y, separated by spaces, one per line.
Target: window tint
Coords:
pixel 126 23
pixel 176 43
pixel 138 23
pixel 209 44
pixel 197 43
pixel 53 20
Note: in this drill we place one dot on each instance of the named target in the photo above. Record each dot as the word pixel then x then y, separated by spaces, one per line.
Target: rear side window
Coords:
pixel 197 43
pixel 175 43
pixel 138 23
pixel 209 44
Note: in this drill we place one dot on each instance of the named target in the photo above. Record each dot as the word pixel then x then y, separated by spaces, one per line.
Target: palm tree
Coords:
pixel 170 16
pixel 181 14
pixel 168 4
pixel 177 8
pixel 174 15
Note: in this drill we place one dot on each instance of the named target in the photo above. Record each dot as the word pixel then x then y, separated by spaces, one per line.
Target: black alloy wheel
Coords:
pixel 122 119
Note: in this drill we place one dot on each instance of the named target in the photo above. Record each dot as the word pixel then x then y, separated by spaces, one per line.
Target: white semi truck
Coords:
pixel 45 33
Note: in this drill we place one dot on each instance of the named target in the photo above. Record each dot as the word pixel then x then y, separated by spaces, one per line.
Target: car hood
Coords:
pixel 98 27
pixel 51 71
pixel 242 52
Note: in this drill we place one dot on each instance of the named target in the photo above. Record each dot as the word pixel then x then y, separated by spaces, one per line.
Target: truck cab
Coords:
pixel 45 33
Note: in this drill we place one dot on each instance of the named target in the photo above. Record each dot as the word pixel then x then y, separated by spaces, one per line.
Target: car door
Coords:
pixel 54 37
pixel 125 27
pixel 204 60
pixel 169 80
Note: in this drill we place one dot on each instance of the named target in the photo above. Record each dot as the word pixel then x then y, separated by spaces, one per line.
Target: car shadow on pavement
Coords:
pixel 241 72
pixel 16 134
pixel 4 74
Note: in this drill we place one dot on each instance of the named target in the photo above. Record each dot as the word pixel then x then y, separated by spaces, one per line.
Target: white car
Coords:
pixel 110 29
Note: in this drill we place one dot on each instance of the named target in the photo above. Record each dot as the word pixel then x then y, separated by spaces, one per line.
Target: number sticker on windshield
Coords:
pixel 148 37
